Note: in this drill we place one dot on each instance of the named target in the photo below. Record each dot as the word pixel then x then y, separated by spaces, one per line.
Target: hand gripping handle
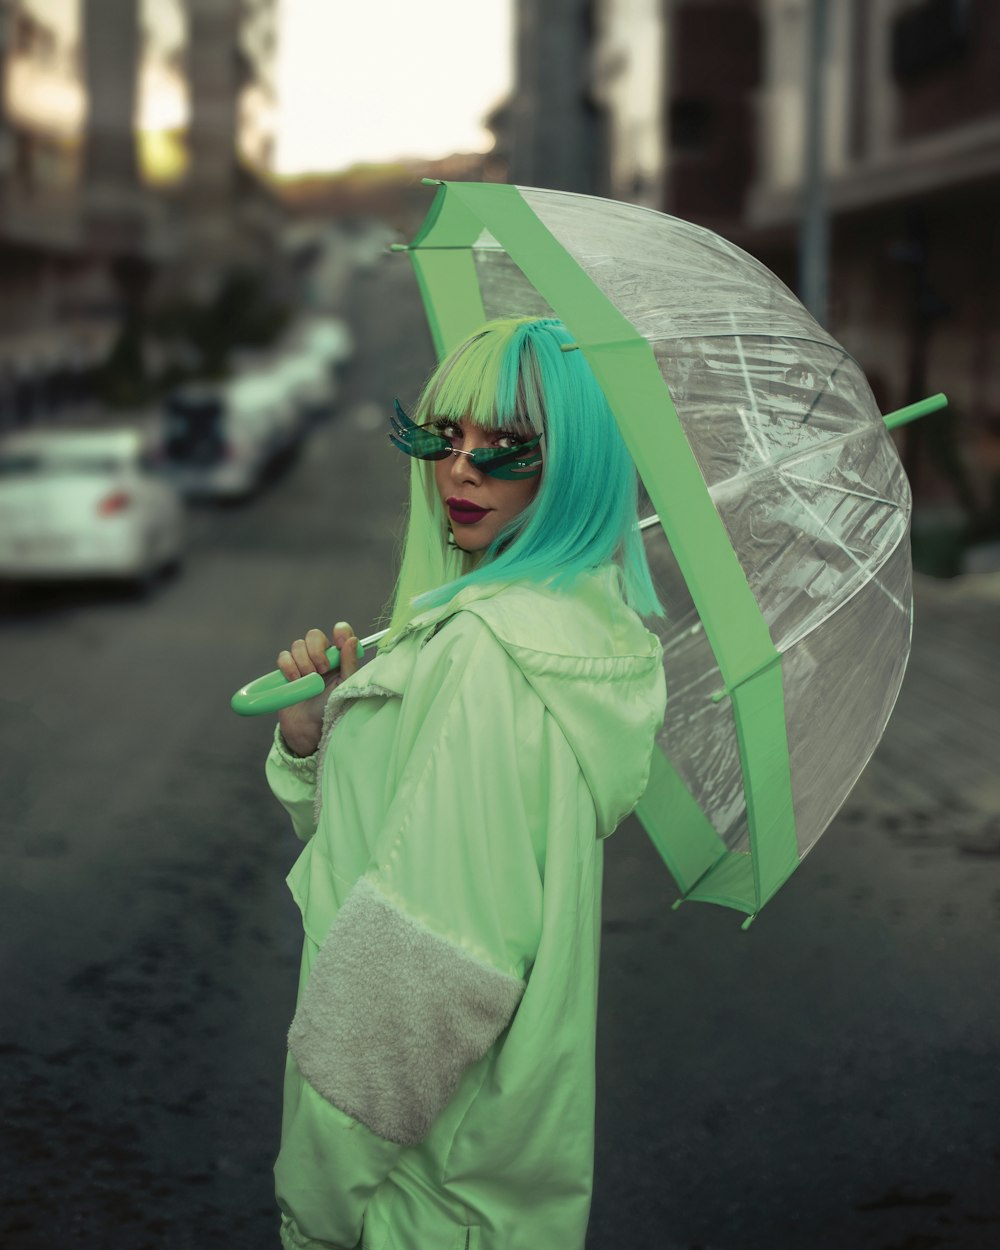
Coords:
pixel 274 691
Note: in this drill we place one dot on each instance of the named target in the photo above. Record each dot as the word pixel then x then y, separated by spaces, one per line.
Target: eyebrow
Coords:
pixel 523 430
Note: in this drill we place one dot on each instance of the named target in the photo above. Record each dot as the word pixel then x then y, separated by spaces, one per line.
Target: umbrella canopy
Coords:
pixel 781 553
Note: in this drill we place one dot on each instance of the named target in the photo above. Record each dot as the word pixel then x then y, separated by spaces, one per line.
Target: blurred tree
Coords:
pixel 123 380
pixel 242 313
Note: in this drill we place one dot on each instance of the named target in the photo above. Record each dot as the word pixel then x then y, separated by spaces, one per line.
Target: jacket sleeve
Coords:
pixel 292 779
pixel 429 955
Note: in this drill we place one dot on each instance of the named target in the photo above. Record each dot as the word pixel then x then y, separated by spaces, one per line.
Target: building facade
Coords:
pixel 912 191
pixel 713 70
pixel 135 138
pixel 629 76
pixel 707 106
pixel 554 130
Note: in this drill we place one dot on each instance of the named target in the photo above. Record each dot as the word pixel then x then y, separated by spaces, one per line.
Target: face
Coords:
pixel 478 506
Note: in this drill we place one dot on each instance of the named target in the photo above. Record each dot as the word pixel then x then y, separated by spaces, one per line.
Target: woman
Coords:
pixel 453 795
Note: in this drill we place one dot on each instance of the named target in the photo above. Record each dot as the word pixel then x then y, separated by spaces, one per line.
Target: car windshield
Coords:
pixel 193 409
pixel 193 428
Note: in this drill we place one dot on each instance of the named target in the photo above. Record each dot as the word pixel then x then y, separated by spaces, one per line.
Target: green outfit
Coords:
pixel 440 1081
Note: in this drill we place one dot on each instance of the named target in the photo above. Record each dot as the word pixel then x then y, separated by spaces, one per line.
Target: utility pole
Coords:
pixel 814 240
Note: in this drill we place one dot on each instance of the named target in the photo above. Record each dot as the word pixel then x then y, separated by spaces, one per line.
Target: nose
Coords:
pixel 462 467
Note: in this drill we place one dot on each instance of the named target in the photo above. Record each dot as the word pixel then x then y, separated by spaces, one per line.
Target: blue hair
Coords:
pixel 514 372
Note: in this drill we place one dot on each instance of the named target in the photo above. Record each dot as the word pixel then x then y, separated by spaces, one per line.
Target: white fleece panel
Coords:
pixel 393 1014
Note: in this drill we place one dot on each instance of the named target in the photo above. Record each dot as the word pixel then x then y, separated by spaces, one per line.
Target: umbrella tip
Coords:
pixel 431 182
pixel 569 347
pixel 748 922
pixel 399 247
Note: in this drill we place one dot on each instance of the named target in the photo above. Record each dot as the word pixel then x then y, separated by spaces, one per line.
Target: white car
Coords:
pixel 309 381
pixel 265 394
pixel 329 338
pixel 84 503
pixel 217 440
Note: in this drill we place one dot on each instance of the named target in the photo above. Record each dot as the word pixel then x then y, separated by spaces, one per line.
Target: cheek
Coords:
pixel 516 498
pixel 527 491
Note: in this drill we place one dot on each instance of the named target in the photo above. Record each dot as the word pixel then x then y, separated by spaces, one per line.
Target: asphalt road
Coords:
pixel 826 1081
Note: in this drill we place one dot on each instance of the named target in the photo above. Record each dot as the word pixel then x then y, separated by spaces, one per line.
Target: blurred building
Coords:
pixel 552 132
pixel 43 267
pixel 651 101
pixel 230 213
pixel 135 140
pixel 629 83
pixel 117 213
pixel 912 187
pixel 713 71
pixel 702 110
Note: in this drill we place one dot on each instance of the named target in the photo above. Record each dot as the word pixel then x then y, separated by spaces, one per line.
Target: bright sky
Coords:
pixel 372 80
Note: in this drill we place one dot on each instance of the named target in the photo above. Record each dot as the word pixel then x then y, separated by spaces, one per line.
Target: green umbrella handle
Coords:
pixel 920 409
pixel 274 691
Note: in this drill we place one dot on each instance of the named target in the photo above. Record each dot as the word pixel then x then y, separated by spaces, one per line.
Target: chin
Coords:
pixel 468 550
pixel 468 547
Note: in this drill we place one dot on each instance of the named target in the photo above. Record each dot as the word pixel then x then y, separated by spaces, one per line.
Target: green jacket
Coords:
pixel 440 1081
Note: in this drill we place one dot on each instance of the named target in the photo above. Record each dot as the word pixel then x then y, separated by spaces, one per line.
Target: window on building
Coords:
pixel 691 124
pixel 929 36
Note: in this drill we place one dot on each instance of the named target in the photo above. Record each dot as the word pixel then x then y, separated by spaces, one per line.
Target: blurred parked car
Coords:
pixel 310 383
pixel 218 439
pixel 370 243
pixel 85 504
pixel 270 386
pixel 329 338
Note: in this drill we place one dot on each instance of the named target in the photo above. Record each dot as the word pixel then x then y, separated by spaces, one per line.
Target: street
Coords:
pixel 827 1080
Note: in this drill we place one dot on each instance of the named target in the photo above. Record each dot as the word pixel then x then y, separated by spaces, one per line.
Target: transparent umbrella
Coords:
pixel 777 511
